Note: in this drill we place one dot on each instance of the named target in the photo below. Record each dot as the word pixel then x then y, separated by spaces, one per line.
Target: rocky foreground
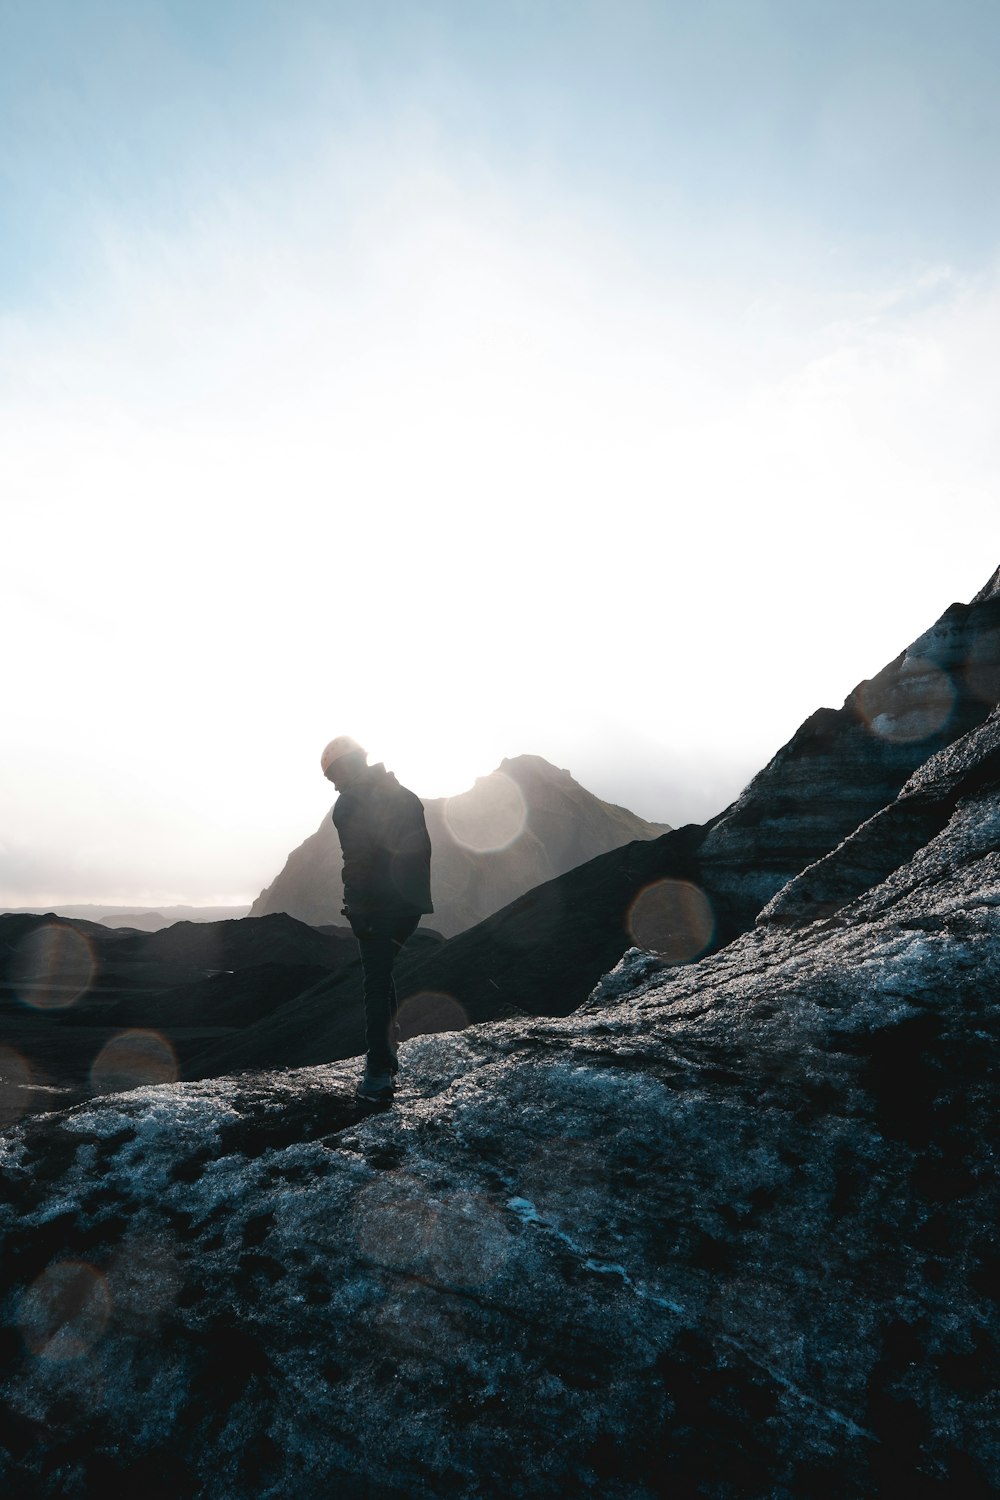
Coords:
pixel 727 1231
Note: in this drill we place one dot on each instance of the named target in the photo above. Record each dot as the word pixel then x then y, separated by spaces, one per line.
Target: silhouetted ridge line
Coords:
pixel 514 829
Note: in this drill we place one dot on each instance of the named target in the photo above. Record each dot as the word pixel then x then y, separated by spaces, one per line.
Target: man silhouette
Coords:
pixel 387 861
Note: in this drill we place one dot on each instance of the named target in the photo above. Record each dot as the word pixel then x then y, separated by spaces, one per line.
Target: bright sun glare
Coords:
pixel 385 427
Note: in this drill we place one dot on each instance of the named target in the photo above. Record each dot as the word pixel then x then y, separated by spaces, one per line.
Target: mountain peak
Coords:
pixel 518 766
pixel 491 844
pixel 989 590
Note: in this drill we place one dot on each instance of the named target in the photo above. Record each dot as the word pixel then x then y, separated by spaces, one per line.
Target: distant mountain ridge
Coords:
pixel 142 918
pixel 516 828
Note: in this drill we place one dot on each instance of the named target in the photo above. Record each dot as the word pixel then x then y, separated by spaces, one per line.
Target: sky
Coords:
pixel 609 380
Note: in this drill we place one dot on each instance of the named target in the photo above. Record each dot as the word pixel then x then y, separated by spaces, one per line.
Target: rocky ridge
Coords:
pixel 730 1229
pixel 142 919
pixel 551 945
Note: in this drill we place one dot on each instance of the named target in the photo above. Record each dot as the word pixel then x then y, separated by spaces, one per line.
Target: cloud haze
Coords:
pixel 357 423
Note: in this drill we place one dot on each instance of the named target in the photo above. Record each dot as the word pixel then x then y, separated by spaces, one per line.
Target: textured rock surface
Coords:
pixel 841 766
pixel 729 1230
pixel 897 833
pixel 516 828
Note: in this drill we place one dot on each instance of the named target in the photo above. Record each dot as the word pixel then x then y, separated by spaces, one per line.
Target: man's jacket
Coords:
pixel 387 853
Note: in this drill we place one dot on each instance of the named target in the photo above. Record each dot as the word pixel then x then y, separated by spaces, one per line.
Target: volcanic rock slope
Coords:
pixel 727 1231
pixel 550 946
pixel 840 767
pixel 516 828
pixel 730 1230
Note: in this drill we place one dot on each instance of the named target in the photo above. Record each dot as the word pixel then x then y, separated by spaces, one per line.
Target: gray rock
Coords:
pixel 729 1230
pixel 843 765
pixel 897 833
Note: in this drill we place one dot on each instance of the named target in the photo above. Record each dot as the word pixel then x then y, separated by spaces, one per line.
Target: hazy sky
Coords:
pixel 614 380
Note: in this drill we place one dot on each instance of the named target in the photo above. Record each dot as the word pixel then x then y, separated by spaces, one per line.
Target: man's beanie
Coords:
pixel 342 745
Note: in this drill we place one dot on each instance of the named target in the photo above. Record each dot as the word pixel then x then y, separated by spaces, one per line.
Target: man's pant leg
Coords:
pixel 379 943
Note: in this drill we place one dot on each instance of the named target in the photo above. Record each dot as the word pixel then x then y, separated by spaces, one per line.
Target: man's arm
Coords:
pixel 358 846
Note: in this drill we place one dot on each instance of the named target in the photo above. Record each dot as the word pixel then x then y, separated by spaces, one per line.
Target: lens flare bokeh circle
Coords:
pixel 469 1241
pixel 911 705
pixel 672 918
pixel 393 1222
pixel 489 817
pixel 52 967
pixel 430 1010
pixel 132 1060
pixel 65 1311
pixel 456 1236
